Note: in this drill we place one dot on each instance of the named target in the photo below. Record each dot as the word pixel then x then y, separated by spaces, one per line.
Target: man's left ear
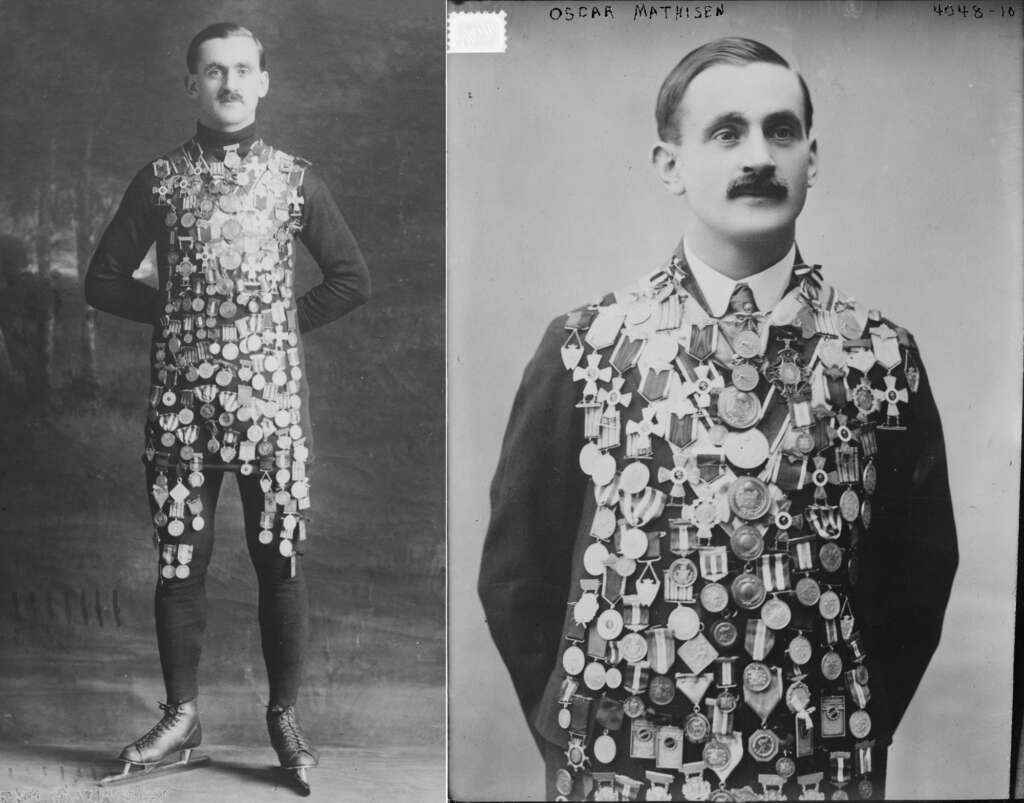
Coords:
pixel 264 83
pixel 812 168
pixel 191 86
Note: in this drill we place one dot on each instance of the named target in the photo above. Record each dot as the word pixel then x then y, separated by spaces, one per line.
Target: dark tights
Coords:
pixel 181 603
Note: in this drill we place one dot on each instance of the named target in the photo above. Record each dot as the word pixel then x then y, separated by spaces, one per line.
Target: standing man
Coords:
pixel 228 386
pixel 721 541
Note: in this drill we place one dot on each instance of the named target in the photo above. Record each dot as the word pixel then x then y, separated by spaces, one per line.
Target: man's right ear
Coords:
pixel 665 158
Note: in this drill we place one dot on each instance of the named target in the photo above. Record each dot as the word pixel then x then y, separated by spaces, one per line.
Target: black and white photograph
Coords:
pixel 734 366
pixel 222 401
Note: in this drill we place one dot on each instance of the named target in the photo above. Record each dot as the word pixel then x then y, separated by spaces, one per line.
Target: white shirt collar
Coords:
pixel 768 286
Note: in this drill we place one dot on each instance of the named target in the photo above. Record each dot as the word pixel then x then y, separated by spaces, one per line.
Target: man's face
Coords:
pixel 228 82
pixel 744 161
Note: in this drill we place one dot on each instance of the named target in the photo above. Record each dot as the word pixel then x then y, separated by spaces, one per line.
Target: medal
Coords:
pixel 756 677
pixel 609 624
pixel 807 591
pixel 800 650
pixel 697 728
pixel 749 498
pixel 748 591
pixel 698 653
pixel 763 745
pixel 739 409
pixel 831 557
pixel 746 450
pixel 684 623
pixel 745 376
pixel 829 605
pixel 661 690
pixel 604 749
pixel 860 724
pixel 724 633
pixel 833 716
pixel 746 542
pixel 573 660
pixel 633 707
pixel 714 598
pixel 776 614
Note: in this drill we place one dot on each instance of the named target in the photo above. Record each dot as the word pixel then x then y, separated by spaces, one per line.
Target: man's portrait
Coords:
pixel 736 517
pixel 221 363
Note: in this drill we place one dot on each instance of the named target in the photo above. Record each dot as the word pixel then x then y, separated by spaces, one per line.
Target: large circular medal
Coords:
pixel 747 344
pixel 594 559
pixel 829 605
pixel 785 767
pixel 849 504
pixel 696 727
pixel 633 707
pixel 724 633
pixel 714 597
pixel 757 676
pixel 604 748
pixel 573 660
pixel 831 557
pixel 746 542
pixel 745 376
pixel 604 470
pixel 746 450
pixel 749 498
pixel 800 650
pixel 860 724
pixel 633 543
pixel 831 665
pixel 739 409
pixel 603 526
pixel 683 571
pixel 593 676
pixel 748 591
pixel 563 782
pixel 684 623
pixel 716 754
pixel 634 478
pixel 609 624
pixel 589 457
pixel 808 591
pixel 661 690
pixel 633 647
pixel 763 745
pixel 776 614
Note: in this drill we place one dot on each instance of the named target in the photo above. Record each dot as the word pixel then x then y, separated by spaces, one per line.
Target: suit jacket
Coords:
pixel 542 505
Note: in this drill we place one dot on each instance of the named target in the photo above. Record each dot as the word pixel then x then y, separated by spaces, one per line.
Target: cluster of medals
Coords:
pixel 226 362
pixel 732 465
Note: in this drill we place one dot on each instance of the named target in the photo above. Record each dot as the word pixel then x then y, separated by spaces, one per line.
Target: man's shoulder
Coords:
pixel 876 323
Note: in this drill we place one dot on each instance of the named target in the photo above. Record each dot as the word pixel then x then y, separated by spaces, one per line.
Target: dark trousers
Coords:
pixel 745 774
pixel 180 604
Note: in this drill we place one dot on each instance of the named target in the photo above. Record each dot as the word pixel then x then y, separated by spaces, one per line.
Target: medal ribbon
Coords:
pixel 637 679
pixel 714 562
pixel 643 508
pixel 840 765
pixel 860 693
pixel 702 341
pixel 660 649
pixel 775 572
pixel 862 757
pixel 694 686
pixel 804 557
pixel 759 639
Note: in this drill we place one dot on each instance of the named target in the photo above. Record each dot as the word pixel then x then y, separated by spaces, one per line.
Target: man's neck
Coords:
pixel 738 260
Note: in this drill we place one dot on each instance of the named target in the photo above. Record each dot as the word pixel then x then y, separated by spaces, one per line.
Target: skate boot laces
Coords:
pixel 173 713
pixel 286 737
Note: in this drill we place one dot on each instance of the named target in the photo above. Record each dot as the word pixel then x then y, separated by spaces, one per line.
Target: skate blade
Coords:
pixel 128 776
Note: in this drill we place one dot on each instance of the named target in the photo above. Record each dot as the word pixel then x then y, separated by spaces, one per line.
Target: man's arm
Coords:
pixel 918 551
pixel 536 499
pixel 109 285
pixel 346 281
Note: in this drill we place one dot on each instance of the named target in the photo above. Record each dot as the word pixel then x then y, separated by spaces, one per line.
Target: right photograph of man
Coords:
pixel 721 538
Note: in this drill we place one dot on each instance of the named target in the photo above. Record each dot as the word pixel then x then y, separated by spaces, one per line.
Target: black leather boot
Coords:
pixel 177 730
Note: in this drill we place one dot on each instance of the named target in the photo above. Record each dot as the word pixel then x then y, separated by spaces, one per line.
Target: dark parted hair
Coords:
pixel 219 30
pixel 734 50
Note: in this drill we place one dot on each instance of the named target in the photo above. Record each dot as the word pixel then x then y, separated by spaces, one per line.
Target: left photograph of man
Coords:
pixel 231 244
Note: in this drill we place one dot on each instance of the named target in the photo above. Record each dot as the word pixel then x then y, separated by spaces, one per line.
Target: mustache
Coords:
pixel 763 183
pixel 227 95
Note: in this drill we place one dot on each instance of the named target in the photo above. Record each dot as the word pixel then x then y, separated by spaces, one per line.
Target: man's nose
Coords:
pixel 757 155
pixel 230 79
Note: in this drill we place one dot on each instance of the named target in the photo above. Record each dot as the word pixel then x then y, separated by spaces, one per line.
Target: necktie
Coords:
pixel 742 300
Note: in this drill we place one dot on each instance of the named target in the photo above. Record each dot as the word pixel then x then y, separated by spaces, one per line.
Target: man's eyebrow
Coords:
pixel 784 117
pixel 728 118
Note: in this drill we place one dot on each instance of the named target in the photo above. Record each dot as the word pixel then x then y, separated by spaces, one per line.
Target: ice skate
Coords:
pixel 293 750
pixel 178 731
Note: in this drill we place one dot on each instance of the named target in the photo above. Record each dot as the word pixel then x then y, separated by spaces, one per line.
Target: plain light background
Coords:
pixel 917 209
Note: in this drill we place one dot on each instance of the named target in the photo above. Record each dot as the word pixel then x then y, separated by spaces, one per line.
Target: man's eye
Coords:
pixel 243 70
pixel 784 132
pixel 215 73
pixel 725 135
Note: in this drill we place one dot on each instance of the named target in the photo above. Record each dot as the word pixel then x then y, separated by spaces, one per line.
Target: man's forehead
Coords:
pixel 229 50
pixel 753 90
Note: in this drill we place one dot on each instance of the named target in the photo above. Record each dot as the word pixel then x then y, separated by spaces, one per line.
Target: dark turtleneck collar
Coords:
pixel 210 138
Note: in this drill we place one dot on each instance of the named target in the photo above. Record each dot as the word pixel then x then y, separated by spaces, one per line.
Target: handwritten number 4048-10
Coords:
pixel 972 11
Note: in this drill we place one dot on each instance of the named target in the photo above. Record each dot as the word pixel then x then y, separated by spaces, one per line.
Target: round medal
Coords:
pixel 286 548
pixel 613 678
pixel 266 536
pixel 633 647
pixel 869 478
pixel 182 572
pixel 808 591
pixel 746 450
pixel 849 329
pixel 604 470
pixel 783 520
pixel 684 623
pixel 749 498
pixel 603 526
pixel 696 727
pixel 716 434
pixel 160 519
pixel 167 572
pixel 198 522
pixel 798 696
pixel 683 571
pixel 804 442
pixel 831 557
pixel 722 796
pixel 638 311
pixel 609 625
pixel 176 527
pixel 714 597
pixel 746 542
pixel 604 749
pixel 840 794
pixel 829 605
pixel 633 543
pixel 594 557
pixel 831 665
pixel 167 440
pixel 739 409
pixel 785 767
pixel 860 674
pixel 757 676
pixel 745 376
pixel 865 513
pixel 800 650
pixel 573 660
pixel 747 344
pixel 724 633
pixel 763 745
pixel 563 778
pixel 593 676
pixel 575 755
pixel 585 608
pixel 661 349
pixel 865 789
pixel 633 707
pixel 624 567
pixel 748 591
pixel 776 614
pixel 661 690
pixel 716 754
pixel 860 724
pixel 634 478
pixel 849 504
pixel 589 455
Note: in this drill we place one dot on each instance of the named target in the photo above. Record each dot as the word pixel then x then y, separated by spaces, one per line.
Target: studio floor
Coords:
pixel 68 774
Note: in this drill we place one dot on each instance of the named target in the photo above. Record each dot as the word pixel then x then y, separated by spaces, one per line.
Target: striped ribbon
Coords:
pixel 714 562
pixel 644 507
pixel 862 757
pixel 839 761
pixel 609 428
pixel 759 639
pixel 591 420
pixel 774 570
pixel 860 693
pixel 804 555
pixel 660 649
pixel 638 676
